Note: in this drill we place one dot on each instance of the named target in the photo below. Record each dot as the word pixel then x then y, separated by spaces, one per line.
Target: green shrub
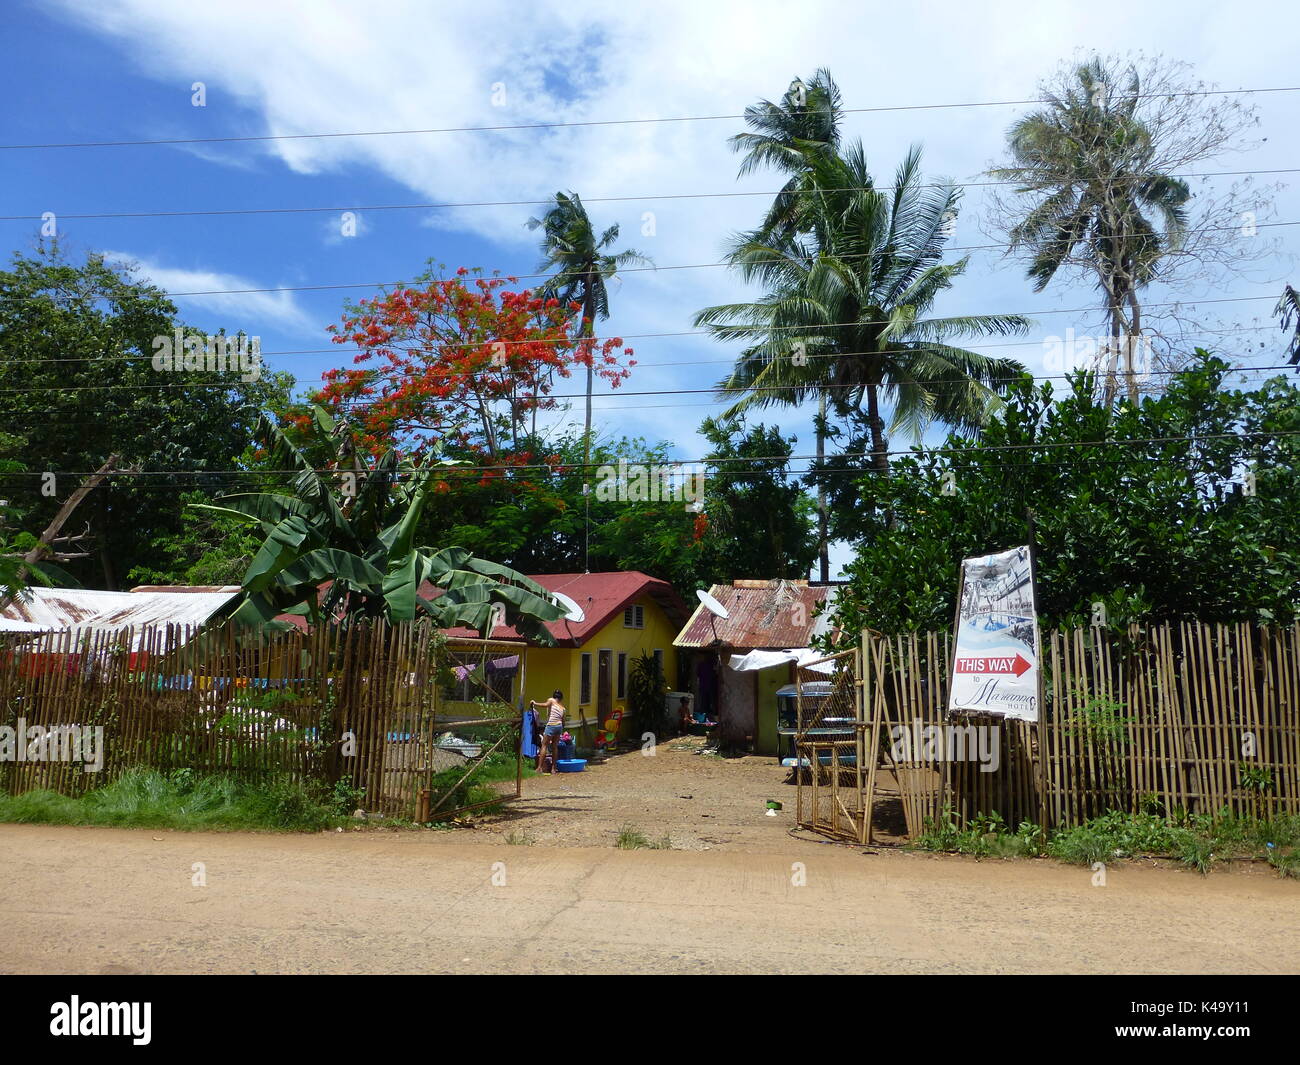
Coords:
pixel 1198 841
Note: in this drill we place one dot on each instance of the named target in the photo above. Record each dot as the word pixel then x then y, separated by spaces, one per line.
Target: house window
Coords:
pixel 659 660
pixel 634 617
pixel 622 675
pixel 585 693
pixel 472 682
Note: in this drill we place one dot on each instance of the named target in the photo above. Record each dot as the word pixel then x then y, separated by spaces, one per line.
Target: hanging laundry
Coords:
pixel 530 743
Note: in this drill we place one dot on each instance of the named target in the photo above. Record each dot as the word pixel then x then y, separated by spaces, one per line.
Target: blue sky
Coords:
pixel 123 70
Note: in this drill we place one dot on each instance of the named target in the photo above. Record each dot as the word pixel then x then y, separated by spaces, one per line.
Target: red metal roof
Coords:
pixel 764 615
pixel 602 596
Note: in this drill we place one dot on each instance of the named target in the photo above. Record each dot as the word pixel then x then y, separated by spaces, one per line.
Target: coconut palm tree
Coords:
pixel 786 137
pixel 783 137
pixel 1084 163
pixel 583 264
pixel 1288 311
pixel 848 308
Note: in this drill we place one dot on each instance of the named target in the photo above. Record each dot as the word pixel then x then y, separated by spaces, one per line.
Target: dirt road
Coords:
pixel 542 889
pixel 106 900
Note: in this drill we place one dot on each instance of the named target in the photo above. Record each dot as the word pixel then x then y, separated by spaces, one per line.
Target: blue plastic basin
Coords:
pixel 571 765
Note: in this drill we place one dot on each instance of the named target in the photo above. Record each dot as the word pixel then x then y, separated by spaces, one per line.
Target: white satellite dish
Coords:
pixel 573 611
pixel 712 605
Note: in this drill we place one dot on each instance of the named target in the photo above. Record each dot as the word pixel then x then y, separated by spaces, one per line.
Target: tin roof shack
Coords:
pixel 87 610
pixel 762 615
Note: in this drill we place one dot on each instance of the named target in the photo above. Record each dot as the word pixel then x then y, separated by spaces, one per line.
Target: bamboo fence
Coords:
pixel 1185 717
pixel 362 704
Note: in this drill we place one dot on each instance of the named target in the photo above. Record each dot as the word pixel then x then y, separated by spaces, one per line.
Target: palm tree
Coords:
pixel 1085 163
pixel 1288 310
pixel 582 265
pixel 847 308
pixel 787 137
pixel 354 527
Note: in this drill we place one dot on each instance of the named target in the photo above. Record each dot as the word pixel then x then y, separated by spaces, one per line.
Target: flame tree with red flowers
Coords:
pixel 462 363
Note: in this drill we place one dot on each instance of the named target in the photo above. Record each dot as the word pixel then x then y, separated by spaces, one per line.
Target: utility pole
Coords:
pixel 824 560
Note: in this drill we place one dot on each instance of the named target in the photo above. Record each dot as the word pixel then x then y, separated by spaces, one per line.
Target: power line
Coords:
pixel 152 416
pixel 94 360
pixel 109 215
pixel 586 123
pixel 807 475
pixel 547 397
pixel 513 277
pixel 663 463
pixel 717 332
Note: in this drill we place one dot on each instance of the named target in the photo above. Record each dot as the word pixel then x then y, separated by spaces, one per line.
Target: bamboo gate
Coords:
pixel 1183 717
pixel 366 704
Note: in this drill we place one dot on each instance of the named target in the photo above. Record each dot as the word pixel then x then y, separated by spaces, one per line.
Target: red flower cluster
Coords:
pixel 460 361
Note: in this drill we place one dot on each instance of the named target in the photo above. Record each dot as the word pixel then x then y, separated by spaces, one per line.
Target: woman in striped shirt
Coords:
pixel 554 726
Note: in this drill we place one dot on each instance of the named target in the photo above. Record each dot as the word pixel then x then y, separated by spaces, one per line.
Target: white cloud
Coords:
pixel 311 67
pixel 253 312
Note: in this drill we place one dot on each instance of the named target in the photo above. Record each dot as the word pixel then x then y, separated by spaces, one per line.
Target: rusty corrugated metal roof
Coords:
pixel 764 615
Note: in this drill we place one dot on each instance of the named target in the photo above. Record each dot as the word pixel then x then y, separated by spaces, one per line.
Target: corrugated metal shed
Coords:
pixel 766 615
pixel 86 610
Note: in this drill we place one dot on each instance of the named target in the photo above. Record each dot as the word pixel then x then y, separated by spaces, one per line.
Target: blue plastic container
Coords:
pixel 571 765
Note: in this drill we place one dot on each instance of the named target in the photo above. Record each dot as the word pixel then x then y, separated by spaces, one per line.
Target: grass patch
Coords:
pixel 495 769
pixel 1198 841
pixel 631 838
pixel 146 798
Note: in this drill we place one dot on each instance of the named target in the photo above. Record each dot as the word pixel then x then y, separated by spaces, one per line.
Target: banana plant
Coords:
pixel 340 544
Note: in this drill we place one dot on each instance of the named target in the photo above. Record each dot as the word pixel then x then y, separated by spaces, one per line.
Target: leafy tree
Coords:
pixel 754 519
pixel 16 575
pixel 583 264
pixel 538 520
pixel 459 362
pixel 77 383
pixel 1144 508
pixel 1088 159
pixel 208 549
pixel 647 693
pixel 760 521
pixel 340 543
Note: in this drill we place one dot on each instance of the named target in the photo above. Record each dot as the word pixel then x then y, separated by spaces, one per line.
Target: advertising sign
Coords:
pixel 995 662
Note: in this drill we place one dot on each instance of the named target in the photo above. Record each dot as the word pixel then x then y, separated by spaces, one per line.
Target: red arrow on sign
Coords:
pixel 1018 665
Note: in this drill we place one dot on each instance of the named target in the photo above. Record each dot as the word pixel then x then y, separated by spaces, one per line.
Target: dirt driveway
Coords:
pixel 738 894
pixel 697 799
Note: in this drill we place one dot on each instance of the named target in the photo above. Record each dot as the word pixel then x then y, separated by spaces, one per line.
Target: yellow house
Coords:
pixel 625 615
